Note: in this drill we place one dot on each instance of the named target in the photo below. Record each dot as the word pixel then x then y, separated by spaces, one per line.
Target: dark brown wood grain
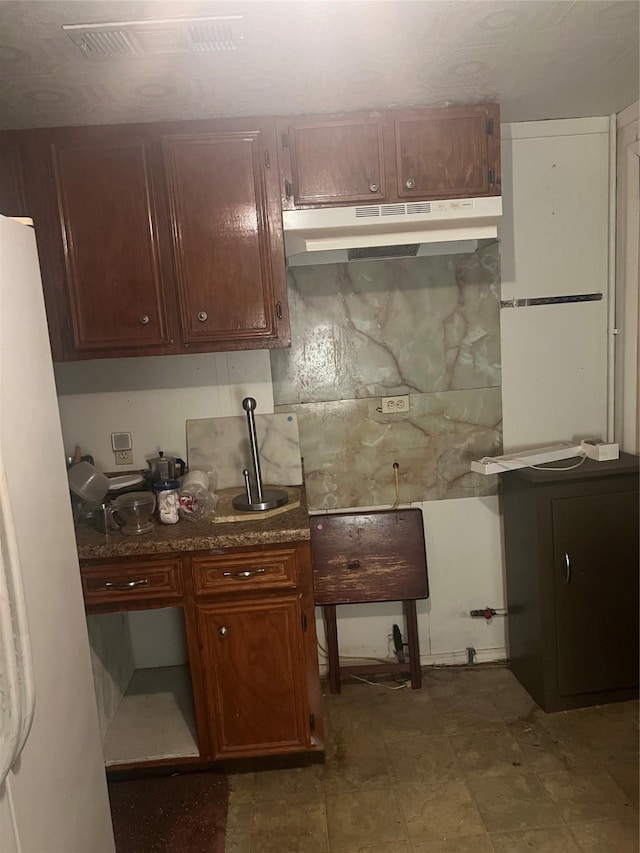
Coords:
pixel 259 693
pixel 369 556
pixel 334 160
pixel 108 228
pixel 447 153
pixel 254 676
pixel 228 264
pixel 119 583
pixel 573 631
pixel 143 227
pixel 366 557
pixel 246 573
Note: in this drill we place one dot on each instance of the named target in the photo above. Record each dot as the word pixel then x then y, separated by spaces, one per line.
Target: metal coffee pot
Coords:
pixel 165 467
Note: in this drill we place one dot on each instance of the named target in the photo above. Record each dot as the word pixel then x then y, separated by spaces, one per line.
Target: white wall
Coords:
pixel 554 243
pixel 152 398
pixel 627 272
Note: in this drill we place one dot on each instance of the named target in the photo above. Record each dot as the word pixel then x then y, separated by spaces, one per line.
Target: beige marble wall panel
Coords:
pixel 349 448
pixel 391 327
pixel 222 445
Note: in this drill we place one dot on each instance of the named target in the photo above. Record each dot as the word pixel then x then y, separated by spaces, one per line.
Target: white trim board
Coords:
pixel 555 127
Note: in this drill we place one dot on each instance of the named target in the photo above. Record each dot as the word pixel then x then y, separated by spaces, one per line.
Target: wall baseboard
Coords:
pixel 453 658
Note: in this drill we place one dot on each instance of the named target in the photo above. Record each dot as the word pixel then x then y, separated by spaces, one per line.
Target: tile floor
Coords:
pixel 467 764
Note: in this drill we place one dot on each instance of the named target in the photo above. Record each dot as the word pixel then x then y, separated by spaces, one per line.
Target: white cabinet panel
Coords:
pixel 554 373
pixel 556 196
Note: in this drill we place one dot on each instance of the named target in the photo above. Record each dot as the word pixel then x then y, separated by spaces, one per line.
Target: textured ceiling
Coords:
pixel 537 58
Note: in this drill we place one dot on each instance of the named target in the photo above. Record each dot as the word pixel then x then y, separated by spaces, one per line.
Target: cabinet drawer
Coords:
pixel 246 572
pixel 142 579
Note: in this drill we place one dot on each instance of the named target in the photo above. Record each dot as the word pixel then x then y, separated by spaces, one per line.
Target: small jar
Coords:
pixel 167 494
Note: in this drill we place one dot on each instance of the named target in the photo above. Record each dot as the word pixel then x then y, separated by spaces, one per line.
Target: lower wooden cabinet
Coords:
pixel 253 666
pixel 249 628
pixel 571 541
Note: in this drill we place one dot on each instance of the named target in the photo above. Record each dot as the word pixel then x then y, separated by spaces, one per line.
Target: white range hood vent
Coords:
pixel 339 234
pixel 147 38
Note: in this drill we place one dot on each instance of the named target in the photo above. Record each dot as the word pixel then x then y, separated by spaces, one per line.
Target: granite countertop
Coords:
pixel 291 525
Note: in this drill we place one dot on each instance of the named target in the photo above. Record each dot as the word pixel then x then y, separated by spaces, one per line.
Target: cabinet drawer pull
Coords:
pixel 202 316
pixel 567 563
pixel 354 564
pixel 248 574
pixel 409 183
pixel 125 584
pixel 223 631
pixel 143 319
pixel 373 188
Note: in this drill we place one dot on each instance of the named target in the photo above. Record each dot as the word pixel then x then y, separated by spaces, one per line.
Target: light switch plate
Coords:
pixel 121 441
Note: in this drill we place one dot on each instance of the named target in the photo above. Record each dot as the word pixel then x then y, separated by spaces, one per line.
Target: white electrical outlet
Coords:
pixel 395 405
pixel 124 457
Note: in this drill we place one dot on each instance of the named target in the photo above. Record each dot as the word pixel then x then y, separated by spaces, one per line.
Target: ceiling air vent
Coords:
pixel 151 38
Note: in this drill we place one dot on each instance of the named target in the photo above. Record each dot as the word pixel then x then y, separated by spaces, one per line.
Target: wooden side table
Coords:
pixel 365 557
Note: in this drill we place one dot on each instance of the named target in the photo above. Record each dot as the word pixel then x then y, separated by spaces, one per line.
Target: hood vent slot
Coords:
pixel 152 38
pixel 378 253
pixel 415 208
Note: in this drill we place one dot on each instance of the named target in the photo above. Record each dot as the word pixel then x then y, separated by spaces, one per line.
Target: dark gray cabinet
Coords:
pixel 571 540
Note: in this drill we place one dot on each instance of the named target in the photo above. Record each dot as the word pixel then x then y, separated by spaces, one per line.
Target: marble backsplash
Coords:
pixel 222 445
pixel 427 327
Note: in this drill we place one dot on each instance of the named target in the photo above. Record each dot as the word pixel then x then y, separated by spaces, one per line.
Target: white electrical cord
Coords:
pixel 364 657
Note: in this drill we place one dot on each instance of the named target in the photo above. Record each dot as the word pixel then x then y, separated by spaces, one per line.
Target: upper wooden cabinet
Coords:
pixel 162 238
pixel 225 249
pixel 452 153
pixel 334 161
pixel 109 231
pixel 391 156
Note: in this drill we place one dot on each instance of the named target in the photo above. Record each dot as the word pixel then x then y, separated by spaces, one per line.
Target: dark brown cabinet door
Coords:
pixel 108 223
pixel 596 587
pixel 227 238
pixel 447 153
pixel 333 161
pixel 254 673
pixel 13 201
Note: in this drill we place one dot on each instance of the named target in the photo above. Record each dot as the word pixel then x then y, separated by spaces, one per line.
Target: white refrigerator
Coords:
pixel 53 793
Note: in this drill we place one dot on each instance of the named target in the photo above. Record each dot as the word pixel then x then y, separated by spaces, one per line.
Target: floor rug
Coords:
pixel 182 813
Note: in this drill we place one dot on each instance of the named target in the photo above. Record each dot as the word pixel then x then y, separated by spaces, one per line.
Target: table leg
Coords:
pixel 331 629
pixel 414 645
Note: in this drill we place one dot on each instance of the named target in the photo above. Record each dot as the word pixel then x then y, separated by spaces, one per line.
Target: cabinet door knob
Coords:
pixel 202 316
pixel 409 183
pixel 373 188
pixel 143 319
pixel 223 631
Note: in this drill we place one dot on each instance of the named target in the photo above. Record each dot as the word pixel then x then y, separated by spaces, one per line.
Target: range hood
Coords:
pixel 339 234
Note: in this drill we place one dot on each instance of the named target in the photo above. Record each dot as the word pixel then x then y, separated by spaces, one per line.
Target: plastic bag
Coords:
pixel 196 499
